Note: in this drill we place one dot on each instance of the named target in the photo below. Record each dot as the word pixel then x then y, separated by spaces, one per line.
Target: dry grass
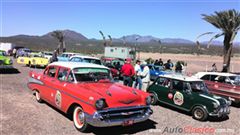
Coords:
pixel 195 63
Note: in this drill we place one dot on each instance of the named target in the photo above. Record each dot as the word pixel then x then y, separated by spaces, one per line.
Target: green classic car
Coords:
pixel 4 60
pixel 188 94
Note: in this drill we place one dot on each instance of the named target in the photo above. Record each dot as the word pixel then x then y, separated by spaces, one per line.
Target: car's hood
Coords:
pixel 116 94
pixel 214 98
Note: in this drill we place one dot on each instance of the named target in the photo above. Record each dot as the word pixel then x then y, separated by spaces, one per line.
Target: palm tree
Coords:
pixel 229 24
pixel 59 35
pixel 104 39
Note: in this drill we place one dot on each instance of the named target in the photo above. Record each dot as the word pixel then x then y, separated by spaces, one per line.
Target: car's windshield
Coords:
pixel 91 74
pixel 199 86
pixel 158 68
pixel 2 53
pixel 46 53
pixel 235 79
pixel 94 61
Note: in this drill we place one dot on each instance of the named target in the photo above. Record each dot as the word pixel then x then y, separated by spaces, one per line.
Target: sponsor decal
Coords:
pixel 58 99
pixel 170 95
pixel 178 98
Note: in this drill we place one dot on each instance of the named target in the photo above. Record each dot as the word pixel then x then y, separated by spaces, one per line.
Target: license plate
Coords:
pixel 128 122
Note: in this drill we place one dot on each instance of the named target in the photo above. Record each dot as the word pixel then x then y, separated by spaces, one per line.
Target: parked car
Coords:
pixel 65 56
pixel 23 52
pixel 87 59
pixel 155 71
pixel 15 47
pixel 189 94
pixel 223 84
pixel 34 59
pixel 47 55
pixel 85 92
pixel 5 62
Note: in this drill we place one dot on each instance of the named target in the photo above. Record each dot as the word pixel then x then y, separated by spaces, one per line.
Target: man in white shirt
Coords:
pixel 138 80
pixel 145 77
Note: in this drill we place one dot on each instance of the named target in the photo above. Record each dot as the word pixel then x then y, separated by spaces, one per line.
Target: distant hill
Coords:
pixel 76 42
pixel 144 39
pixel 69 35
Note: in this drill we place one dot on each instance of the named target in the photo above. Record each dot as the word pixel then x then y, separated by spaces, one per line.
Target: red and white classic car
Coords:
pixel 223 84
pixel 87 93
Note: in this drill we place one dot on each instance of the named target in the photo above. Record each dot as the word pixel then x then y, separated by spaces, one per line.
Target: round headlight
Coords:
pixel 148 100
pixel 215 105
pixel 100 104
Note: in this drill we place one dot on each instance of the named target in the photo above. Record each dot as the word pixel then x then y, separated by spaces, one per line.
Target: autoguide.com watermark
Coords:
pixel 191 130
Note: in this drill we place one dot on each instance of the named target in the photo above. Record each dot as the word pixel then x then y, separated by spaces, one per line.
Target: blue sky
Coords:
pixel 163 18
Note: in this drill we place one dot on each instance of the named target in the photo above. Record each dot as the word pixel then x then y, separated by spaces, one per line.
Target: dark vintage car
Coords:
pixel 87 93
pixel 188 94
pixel 223 84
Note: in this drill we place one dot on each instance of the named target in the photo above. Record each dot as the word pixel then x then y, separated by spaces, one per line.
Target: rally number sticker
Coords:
pixel 58 99
pixel 178 98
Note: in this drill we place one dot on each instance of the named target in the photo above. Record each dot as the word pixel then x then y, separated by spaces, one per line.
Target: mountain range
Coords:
pixel 72 37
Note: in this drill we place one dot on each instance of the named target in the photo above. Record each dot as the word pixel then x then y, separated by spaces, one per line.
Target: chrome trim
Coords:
pixel 222 110
pixel 103 118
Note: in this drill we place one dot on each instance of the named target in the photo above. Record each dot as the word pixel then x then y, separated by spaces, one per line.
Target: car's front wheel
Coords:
pixel 199 113
pixel 154 99
pixel 79 119
pixel 38 96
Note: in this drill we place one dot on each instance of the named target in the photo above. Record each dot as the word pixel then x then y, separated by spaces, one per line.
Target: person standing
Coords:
pixel 138 80
pixel 145 77
pixel 54 57
pixel 160 62
pixel 14 52
pixel 214 67
pixel 128 72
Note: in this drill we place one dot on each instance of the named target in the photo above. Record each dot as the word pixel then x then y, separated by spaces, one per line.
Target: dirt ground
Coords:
pixel 22 115
pixel 195 63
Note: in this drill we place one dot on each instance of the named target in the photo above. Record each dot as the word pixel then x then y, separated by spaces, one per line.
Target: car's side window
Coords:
pixel 70 77
pixel 221 79
pixel 52 71
pixel 76 59
pixel 206 77
pixel 212 77
pixel 177 85
pixel 62 74
pixel 165 82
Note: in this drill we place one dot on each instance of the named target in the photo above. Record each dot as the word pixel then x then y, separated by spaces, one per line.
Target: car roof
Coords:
pixel 84 56
pixel 71 53
pixel 73 65
pixel 201 74
pixel 180 77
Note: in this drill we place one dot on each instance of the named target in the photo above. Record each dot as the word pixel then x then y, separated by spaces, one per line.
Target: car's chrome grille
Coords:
pixel 122 113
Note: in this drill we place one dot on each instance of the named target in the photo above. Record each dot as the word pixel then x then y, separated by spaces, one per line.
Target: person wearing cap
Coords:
pixel 138 71
pixel 145 76
pixel 128 73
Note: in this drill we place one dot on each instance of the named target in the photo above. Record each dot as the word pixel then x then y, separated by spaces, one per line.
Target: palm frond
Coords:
pixel 214 37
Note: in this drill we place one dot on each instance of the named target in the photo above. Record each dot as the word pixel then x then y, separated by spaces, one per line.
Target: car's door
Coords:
pixel 181 99
pixel 49 79
pixel 161 87
pixel 61 87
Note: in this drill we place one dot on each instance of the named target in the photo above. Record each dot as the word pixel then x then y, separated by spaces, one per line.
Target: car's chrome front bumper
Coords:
pixel 119 116
pixel 221 111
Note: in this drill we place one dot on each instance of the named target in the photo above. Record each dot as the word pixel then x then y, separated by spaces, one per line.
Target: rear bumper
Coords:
pixel 118 116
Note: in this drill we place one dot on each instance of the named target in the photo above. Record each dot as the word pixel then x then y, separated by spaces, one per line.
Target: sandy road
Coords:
pixel 21 114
